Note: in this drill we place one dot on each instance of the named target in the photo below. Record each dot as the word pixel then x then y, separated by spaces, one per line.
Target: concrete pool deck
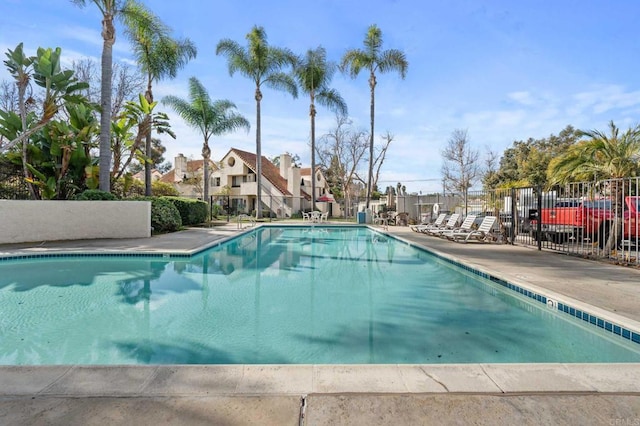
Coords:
pixel 349 394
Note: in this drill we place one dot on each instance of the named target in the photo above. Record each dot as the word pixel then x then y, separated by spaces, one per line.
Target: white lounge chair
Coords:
pixel 466 226
pixel 437 224
pixel 483 233
pixel 452 222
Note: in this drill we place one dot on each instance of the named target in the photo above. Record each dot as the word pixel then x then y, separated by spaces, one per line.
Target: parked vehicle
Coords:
pixel 582 219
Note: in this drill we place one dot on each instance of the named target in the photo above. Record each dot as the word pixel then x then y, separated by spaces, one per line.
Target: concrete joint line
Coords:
pixel 303 409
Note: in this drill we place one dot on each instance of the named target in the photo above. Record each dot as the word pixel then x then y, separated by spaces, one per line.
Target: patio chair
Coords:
pixel 466 226
pixel 324 217
pixel 452 222
pixel 306 217
pixel 437 224
pixel 381 219
pixel 483 233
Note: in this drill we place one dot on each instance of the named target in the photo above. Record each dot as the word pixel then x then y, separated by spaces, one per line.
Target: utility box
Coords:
pixel 362 218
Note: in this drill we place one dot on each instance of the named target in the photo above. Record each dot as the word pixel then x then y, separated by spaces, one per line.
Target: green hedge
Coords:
pixel 94 195
pixel 165 217
pixel 191 211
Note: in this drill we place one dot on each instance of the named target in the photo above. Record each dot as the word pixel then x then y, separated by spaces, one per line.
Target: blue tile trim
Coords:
pixel 614 329
pixel 67 255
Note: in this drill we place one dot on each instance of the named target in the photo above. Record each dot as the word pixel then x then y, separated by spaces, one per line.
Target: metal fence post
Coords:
pixel 539 221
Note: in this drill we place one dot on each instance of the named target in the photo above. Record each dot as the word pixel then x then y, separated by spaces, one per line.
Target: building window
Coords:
pixel 236 181
pixel 251 177
pixel 231 161
pixel 318 177
pixel 215 181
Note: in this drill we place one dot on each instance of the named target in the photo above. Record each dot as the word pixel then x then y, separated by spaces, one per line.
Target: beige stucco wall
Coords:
pixel 28 221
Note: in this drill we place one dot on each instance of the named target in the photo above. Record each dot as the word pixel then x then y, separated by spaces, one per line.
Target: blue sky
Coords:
pixel 503 70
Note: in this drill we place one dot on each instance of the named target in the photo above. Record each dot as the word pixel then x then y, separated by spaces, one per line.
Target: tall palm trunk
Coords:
pixel 312 113
pixel 372 85
pixel 147 146
pixel 617 206
pixel 206 155
pixel 258 156
pixel 109 39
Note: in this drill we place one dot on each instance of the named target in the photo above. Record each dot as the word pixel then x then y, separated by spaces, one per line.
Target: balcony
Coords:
pixel 248 188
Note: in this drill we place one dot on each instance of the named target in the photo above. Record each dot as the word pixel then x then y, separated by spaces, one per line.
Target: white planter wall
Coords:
pixel 29 221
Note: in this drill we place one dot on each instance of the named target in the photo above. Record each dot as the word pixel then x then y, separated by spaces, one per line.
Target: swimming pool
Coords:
pixel 302 295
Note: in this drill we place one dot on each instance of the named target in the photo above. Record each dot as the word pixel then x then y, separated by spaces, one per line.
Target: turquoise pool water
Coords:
pixel 282 295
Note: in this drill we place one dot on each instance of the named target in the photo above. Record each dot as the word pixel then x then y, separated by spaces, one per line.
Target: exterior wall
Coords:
pixel 29 221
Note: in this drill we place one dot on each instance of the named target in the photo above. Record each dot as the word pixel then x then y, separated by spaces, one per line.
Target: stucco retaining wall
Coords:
pixel 28 221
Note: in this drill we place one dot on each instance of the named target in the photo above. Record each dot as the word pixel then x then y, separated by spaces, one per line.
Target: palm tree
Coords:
pixel 601 156
pixel 314 74
pixel 110 10
pixel 374 59
pixel 159 56
pixel 262 64
pixel 211 118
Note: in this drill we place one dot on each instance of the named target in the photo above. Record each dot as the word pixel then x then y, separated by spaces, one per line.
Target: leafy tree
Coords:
pixel 373 59
pixel 140 115
pixel 157 159
pixel 314 73
pixel 59 154
pixel 210 118
pixel 20 67
pixel 110 10
pixel 526 162
pixel 159 56
pixel 59 87
pixel 602 156
pixel 262 64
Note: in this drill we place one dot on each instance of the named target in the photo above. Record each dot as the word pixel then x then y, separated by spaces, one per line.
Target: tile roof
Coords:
pixel 269 170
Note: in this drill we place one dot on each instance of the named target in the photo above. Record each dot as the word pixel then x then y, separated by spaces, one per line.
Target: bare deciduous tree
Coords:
pixel 8 96
pixel 126 84
pixel 340 153
pixel 460 167
pixel 380 154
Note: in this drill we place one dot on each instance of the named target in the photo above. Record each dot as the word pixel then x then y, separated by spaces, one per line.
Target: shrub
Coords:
pixel 165 217
pixel 127 186
pixel 192 212
pixel 95 194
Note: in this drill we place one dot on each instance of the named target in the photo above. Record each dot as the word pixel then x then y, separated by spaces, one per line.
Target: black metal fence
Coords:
pixel 598 220
pixel 12 183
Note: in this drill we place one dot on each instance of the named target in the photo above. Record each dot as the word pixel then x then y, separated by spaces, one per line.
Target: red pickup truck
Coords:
pixel 591 219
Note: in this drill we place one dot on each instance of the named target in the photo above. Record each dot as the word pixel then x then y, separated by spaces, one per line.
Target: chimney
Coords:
pixel 180 168
pixel 285 165
pixel 293 185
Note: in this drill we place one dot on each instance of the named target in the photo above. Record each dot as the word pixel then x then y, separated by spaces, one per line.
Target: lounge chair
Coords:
pixel 452 222
pixel 437 224
pixel 466 226
pixel 483 233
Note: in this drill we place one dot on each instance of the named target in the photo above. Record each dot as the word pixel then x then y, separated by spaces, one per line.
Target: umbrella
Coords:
pixel 326 198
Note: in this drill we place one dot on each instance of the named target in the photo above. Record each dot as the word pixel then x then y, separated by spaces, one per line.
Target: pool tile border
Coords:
pixel 562 307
